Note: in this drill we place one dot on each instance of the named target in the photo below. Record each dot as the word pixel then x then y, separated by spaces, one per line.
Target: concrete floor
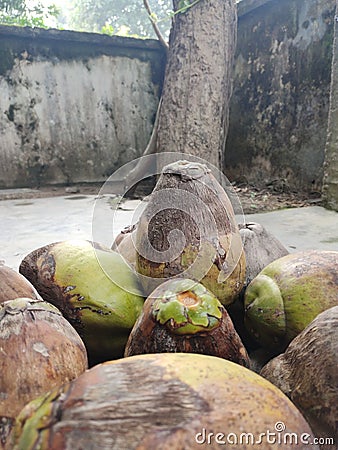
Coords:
pixel 27 224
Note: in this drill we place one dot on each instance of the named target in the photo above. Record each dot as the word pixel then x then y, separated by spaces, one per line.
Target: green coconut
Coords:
pixel 188 230
pixel 181 315
pixel 288 294
pixel 163 401
pixel 69 275
pixel 260 248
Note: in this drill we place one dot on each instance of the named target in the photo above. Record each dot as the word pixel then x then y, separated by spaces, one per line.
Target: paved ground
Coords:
pixel 27 224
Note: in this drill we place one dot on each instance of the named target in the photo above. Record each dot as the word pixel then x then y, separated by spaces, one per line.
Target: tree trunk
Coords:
pixel 330 180
pixel 193 113
pixel 193 117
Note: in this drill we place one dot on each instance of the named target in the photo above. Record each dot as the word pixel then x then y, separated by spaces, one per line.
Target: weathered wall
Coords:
pixel 330 179
pixel 279 108
pixel 73 106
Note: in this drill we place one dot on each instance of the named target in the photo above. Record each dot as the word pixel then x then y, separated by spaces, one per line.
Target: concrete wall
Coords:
pixel 73 106
pixel 279 108
pixel 330 179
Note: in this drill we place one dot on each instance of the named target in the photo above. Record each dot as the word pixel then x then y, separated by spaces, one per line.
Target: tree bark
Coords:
pixel 193 117
pixel 193 114
pixel 330 180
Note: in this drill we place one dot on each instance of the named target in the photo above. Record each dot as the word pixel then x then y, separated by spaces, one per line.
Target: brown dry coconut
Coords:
pixel 308 373
pixel 14 285
pixel 124 244
pixel 188 230
pixel 260 248
pixel 163 401
pixel 39 350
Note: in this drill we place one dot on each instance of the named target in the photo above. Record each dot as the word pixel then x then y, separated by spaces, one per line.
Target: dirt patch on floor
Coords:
pixel 253 200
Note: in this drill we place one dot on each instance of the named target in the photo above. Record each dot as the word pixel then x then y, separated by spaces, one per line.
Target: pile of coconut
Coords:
pixel 192 330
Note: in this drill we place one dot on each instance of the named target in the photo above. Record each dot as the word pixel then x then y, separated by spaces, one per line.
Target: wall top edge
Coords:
pixel 78 37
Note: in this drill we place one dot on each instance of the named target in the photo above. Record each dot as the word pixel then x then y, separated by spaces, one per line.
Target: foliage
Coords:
pixel 112 17
pixel 123 17
pixel 19 12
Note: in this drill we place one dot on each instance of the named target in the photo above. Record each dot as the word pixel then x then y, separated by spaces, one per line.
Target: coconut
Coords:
pixel 14 285
pixel 163 401
pixel 288 294
pixel 183 316
pixel 308 371
pixel 39 350
pixel 124 244
pixel 70 275
pixel 260 247
pixel 188 230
